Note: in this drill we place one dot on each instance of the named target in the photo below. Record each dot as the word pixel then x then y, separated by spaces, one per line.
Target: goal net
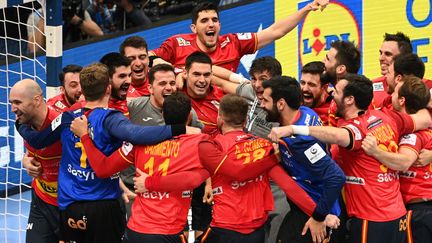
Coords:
pixel 30 47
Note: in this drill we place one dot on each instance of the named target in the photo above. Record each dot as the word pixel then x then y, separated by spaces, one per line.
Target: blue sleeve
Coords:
pixel 48 136
pixel 123 129
pixel 324 170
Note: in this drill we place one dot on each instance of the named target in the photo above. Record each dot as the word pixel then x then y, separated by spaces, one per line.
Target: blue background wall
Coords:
pixel 247 18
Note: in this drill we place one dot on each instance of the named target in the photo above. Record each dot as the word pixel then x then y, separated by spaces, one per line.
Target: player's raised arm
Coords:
pixel 282 27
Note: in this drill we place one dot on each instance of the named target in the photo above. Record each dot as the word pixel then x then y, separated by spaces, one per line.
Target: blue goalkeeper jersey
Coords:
pixel 308 162
pixel 108 129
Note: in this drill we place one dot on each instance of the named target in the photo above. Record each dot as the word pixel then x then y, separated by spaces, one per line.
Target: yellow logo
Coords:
pixel 317 34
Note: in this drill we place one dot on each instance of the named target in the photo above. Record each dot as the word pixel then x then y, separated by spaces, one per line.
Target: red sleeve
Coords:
pixel 180 181
pixel 167 50
pixel 247 43
pixel 216 161
pixel 404 122
pixel 292 190
pixel 355 134
pixel 103 166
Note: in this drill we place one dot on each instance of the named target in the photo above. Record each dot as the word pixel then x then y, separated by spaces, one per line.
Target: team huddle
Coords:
pixel 140 138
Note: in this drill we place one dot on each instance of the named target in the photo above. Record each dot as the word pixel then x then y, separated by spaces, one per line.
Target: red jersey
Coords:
pixel 230 48
pixel 207 110
pixel 45 186
pixel 59 103
pixel 163 212
pixel 379 90
pixel 323 109
pixel 136 91
pixel 253 195
pixel 416 182
pixel 372 190
pixel 120 105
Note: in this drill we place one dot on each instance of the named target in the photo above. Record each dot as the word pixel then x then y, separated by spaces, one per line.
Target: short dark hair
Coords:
pixel 360 87
pixel 287 88
pixel 199 57
pixel 204 6
pixel 267 63
pixel 176 108
pixel 416 93
pixel 403 41
pixel 133 41
pixel 71 68
pixel 410 63
pixel 348 55
pixel 163 67
pixel 316 68
pixel 114 60
pixel 234 109
pixel 94 80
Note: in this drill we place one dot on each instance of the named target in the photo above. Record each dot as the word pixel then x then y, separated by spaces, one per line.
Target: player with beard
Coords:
pixel 409 96
pixel 304 158
pixel 120 78
pixel 84 199
pixel 372 194
pixel 393 45
pixel 342 58
pixel 225 50
pixel 42 164
pixel 314 89
pixel 69 87
pixel 135 49
pixel 119 69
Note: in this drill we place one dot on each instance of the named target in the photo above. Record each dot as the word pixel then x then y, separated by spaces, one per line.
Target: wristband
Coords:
pixel 300 130
pixel 236 78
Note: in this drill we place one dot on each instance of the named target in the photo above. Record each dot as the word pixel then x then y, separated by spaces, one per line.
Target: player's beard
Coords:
pixel 328 77
pixel 70 99
pixel 273 115
pixel 340 110
pixel 115 94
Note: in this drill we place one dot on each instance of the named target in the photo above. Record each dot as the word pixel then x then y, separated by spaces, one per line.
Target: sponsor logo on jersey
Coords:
pixel 371 118
pixel 388 177
pixel 355 180
pixel 378 86
pixel 57 122
pixel 186 194
pixel 244 36
pixel 60 105
pixel 126 148
pixel 225 42
pixel 146 119
pixel 86 175
pixel 236 185
pixel 408 174
pixel 357 133
pixel 314 153
pixel 410 139
pixel 182 42
pixel 155 195
pixel 316 36
pixel 217 190
pixel 374 124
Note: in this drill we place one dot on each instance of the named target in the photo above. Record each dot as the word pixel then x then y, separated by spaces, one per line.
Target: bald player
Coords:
pixel 42 164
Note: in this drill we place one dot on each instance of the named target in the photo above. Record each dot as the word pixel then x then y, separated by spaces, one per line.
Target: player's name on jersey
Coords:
pixel 165 149
pixel 251 146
